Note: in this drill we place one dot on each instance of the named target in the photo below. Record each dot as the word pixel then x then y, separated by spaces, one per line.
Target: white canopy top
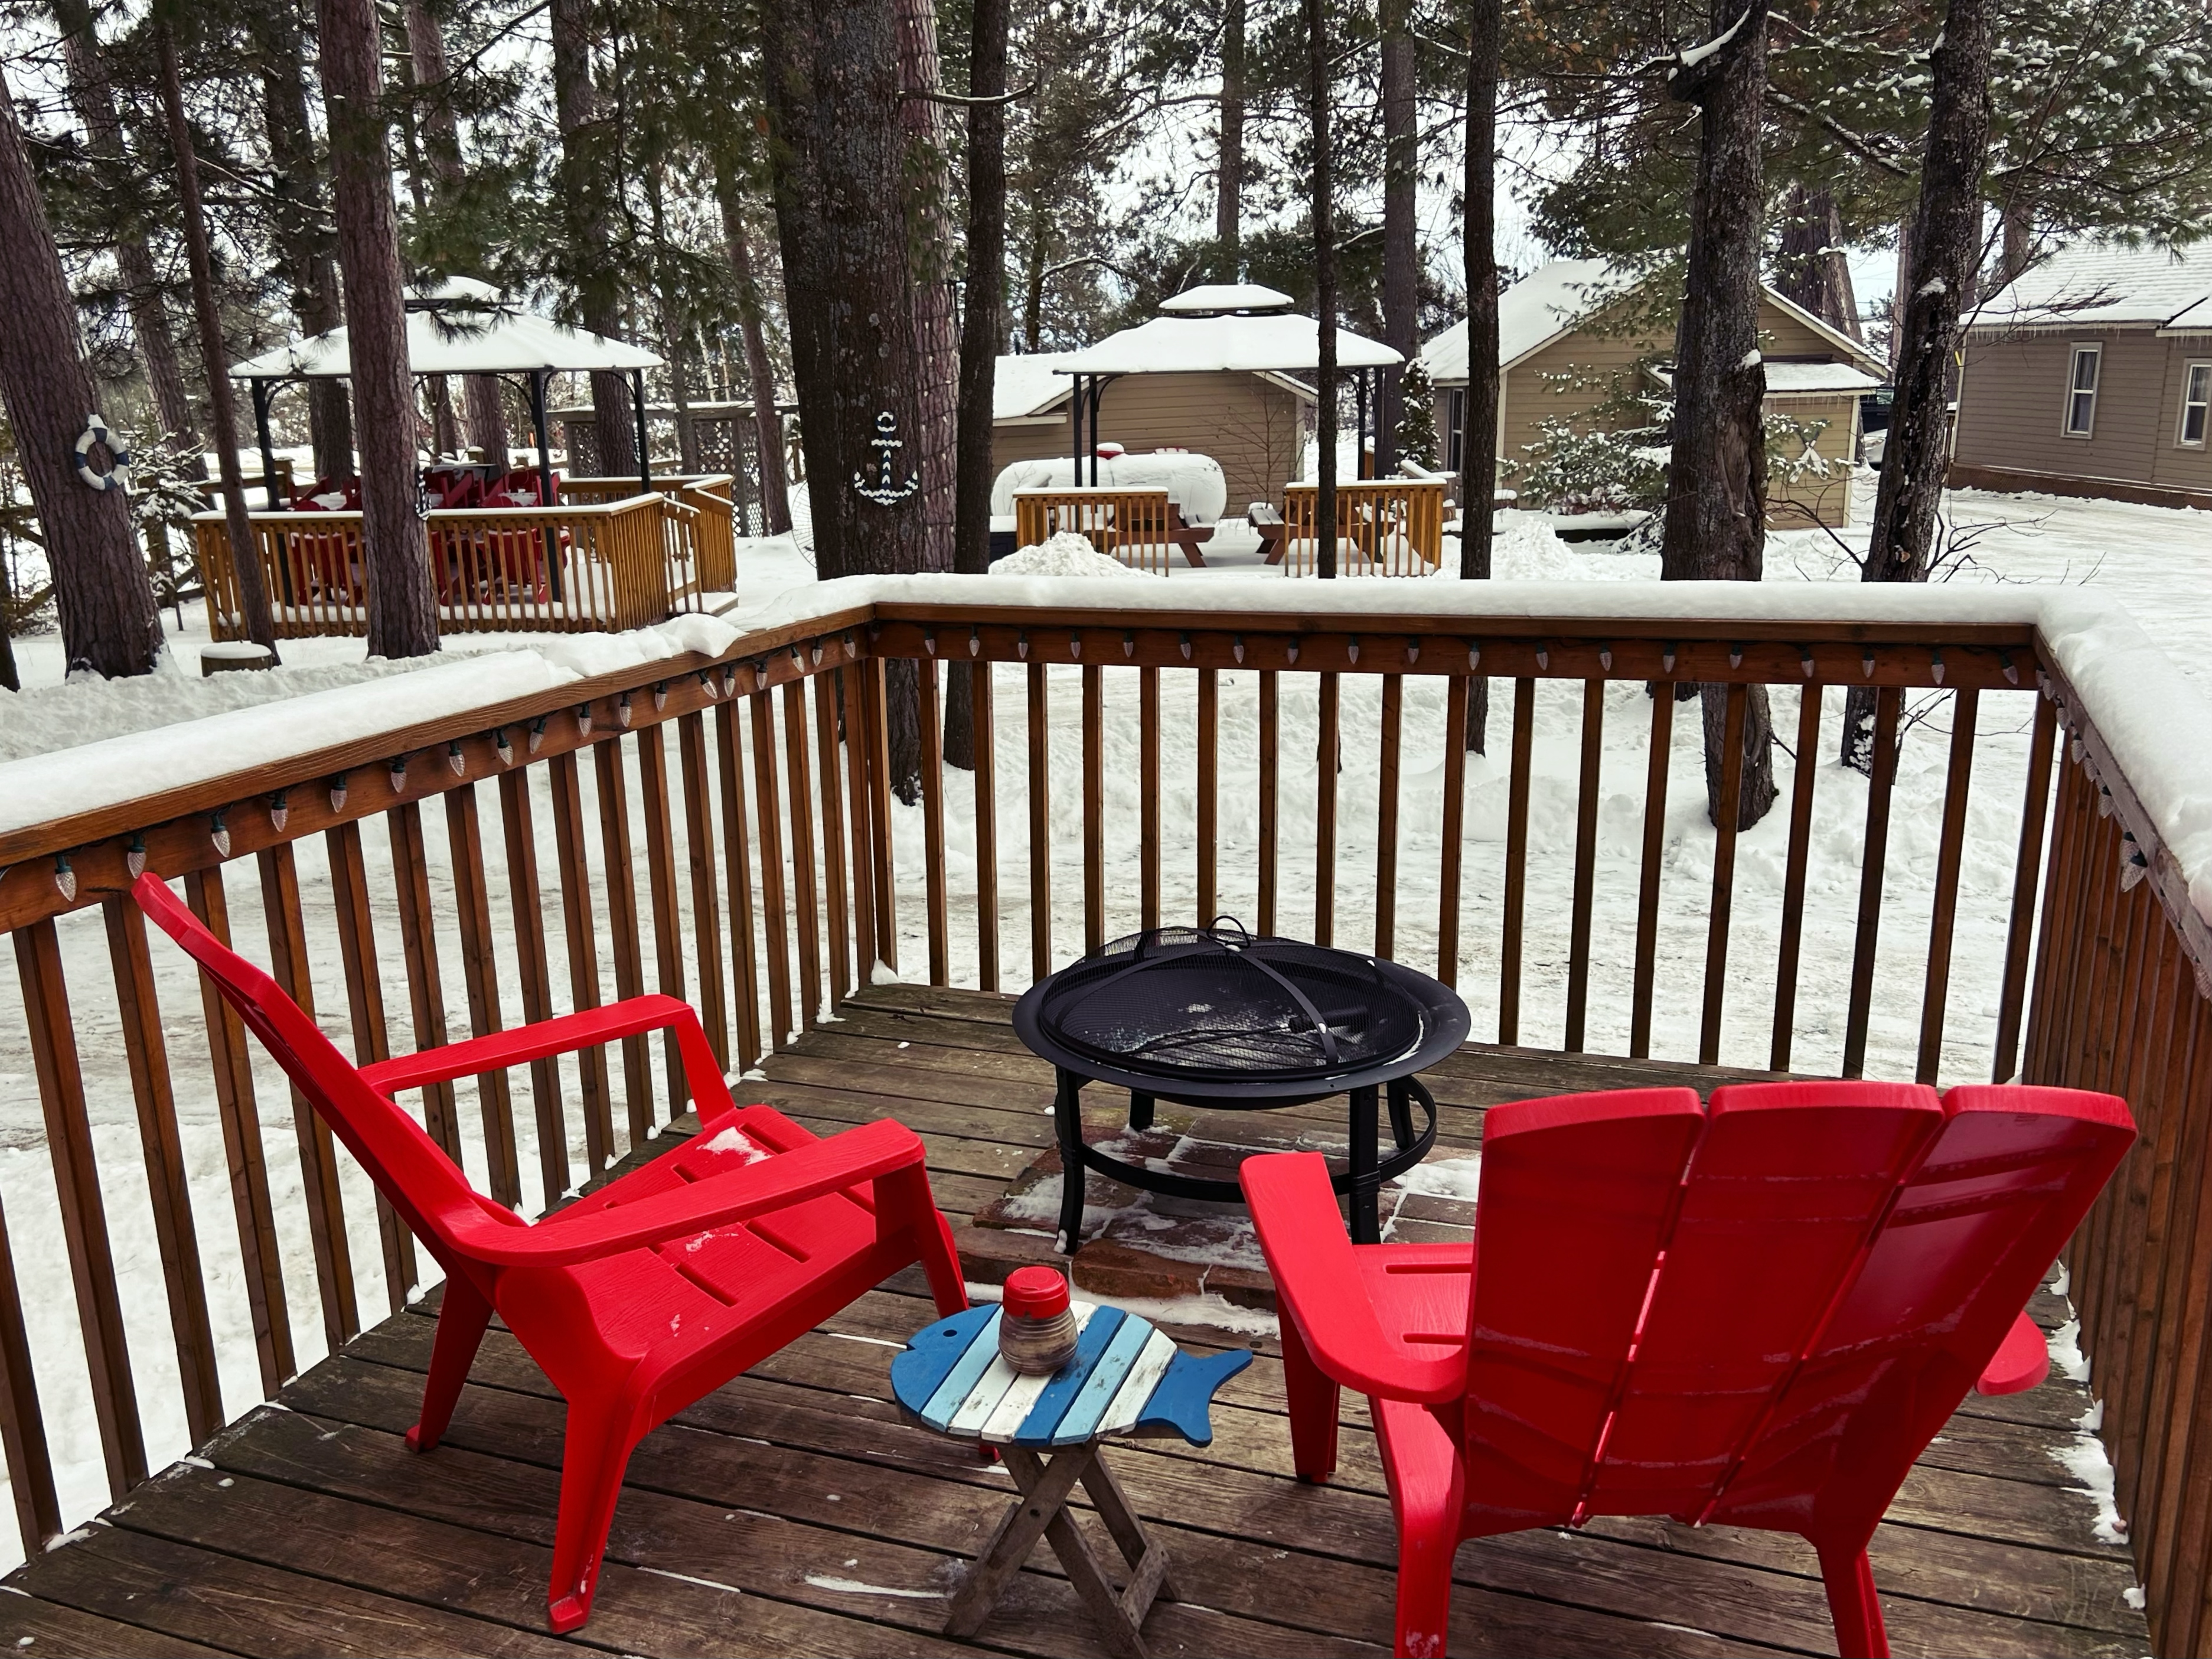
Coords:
pixel 457 339
pixel 1218 297
pixel 1279 341
pixel 1194 482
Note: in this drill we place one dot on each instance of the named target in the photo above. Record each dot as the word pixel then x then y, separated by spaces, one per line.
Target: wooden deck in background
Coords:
pixel 792 1512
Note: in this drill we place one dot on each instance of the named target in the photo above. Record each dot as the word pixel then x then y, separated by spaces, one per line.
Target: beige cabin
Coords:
pixel 2092 375
pixel 1568 351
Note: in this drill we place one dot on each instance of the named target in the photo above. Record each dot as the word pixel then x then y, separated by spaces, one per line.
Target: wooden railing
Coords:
pixel 1136 526
pixel 1308 774
pixel 564 569
pixel 1384 527
pixel 713 530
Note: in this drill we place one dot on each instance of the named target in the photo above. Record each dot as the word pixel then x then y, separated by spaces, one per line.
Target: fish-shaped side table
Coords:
pixel 1126 1379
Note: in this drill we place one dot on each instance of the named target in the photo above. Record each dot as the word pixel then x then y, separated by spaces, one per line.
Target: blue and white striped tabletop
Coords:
pixel 1126 1378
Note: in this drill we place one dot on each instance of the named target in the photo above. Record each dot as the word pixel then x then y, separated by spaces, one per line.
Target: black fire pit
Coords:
pixel 1214 1017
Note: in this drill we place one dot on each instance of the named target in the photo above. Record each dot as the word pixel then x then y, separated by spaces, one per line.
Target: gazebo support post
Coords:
pixel 537 377
pixel 1359 425
pixel 1097 392
pixel 644 455
pixel 261 396
pixel 1075 424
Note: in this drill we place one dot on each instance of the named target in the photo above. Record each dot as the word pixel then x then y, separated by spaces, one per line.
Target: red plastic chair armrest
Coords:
pixel 1317 1281
pixel 563 1035
pixel 2023 1360
pixel 583 1234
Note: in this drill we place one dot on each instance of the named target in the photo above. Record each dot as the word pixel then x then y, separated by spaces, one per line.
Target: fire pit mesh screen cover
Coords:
pixel 1219 1005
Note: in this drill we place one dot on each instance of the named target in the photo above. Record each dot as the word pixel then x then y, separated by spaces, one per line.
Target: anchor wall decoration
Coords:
pixel 884 492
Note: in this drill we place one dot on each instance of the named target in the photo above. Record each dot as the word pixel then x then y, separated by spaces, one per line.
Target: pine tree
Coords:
pixel 1416 434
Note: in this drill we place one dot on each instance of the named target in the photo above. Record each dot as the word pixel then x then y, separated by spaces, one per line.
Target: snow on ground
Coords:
pixel 2157 561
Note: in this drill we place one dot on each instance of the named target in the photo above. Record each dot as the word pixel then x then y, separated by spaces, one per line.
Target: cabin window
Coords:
pixel 2195 402
pixel 1455 425
pixel 2081 390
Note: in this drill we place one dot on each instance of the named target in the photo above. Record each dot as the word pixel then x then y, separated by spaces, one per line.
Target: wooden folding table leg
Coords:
pixel 1148 1561
pixel 1044 1490
pixel 1117 1631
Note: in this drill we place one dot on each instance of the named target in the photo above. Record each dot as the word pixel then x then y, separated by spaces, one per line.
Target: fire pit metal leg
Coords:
pixel 1067 1125
pixel 1401 1113
pixel 1366 1221
pixel 1140 1110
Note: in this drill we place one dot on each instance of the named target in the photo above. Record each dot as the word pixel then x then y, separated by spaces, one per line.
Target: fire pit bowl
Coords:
pixel 1216 1018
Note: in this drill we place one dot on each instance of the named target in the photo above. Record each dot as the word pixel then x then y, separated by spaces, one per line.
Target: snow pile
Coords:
pixel 1062 554
pixel 1445 1177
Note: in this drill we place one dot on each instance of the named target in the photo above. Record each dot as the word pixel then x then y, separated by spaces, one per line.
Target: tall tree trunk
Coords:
pixel 1716 477
pixel 1478 440
pixel 1812 271
pixel 1033 285
pixel 301 221
pixel 1229 152
pixel 108 620
pixel 403 614
pixel 1946 246
pixel 1401 251
pixel 760 372
pixel 937 337
pixel 2019 242
pixel 10 679
pixel 95 98
pixel 1324 237
pixel 832 73
pixel 214 359
pixel 586 197
pixel 979 335
pixel 442 144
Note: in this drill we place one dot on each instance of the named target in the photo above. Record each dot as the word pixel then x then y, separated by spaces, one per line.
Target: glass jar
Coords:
pixel 1037 1327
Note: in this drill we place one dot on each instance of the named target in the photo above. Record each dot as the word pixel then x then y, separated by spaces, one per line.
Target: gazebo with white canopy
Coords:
pixel 1235 327
pixel 459 325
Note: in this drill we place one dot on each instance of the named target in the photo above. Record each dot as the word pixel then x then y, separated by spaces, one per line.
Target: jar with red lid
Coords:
pixel 1036 1325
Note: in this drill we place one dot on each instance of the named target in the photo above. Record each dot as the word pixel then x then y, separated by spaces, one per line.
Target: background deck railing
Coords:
pixel 568 569
pixel 1309 779
pixel 1384 526
pixel 707 493
pixel 1136 526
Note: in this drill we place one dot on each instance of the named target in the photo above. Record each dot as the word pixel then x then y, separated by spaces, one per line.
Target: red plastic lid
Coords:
pixel 1035 1293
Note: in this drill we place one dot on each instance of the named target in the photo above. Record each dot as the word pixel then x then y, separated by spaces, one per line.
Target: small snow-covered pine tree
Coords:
pixel 1417 421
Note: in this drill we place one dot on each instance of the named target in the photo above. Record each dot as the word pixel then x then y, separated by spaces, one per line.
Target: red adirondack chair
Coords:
pixel 1758 1314
pixel 649 1293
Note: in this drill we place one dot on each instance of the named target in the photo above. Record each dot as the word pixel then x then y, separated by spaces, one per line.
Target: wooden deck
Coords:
pixel 793 1513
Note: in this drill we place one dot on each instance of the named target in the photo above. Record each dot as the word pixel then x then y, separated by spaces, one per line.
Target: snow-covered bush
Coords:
pixel 1571 471
pixel 1417 418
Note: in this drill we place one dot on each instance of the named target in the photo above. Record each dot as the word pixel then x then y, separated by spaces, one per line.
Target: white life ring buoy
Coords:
pixel 117 476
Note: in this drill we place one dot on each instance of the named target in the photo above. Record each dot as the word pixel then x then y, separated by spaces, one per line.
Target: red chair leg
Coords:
pixel 461 1320
pixel 1313 1400
pixel 1427 1499
pixel 595 1452
pixel 947 1284
pixel 1852 1602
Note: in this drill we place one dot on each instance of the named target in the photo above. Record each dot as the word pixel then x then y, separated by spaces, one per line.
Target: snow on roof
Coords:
pixel 452 291
pixel 1216 297
pixel 1795 379
pixel 2105 284
pixel 1028 385
pixel 492 340
pixel 1277 341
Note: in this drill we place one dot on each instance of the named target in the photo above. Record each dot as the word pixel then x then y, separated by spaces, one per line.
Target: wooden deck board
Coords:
pixel 793 1512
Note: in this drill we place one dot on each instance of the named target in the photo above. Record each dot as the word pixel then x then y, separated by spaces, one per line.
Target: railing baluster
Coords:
pixel 1516 862
pixel 167 1192
pixel 774 920
pixel 837 935
pixel 933 819
pixel 1453 852
pixel 737 866
pixel 1655 851
pixel 1326 753
pixel 372 1042
pixel 981 701
pixel 1094 810
pixel 1586 799
pixel 533 975
pixel 1209 795
pixel 480 981
pixel 1789 945
pixel 1148 786
pixel 856 797
pixel 1270 795
pixel 83 1214
pixel 568 845
pixel 2035 808
pixel 319 1161
pixel 426 995
pixel 660 887
pixel 1386 816
pixel 2180 1407
pixel 1723 907
pixel 1040 794
pixel 878 732
pixel 22 1425
pixel 1887 704
pixel 259 1255
pixel 1966 706
pixel 706 901
pixel 623 926
pixel 807 914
